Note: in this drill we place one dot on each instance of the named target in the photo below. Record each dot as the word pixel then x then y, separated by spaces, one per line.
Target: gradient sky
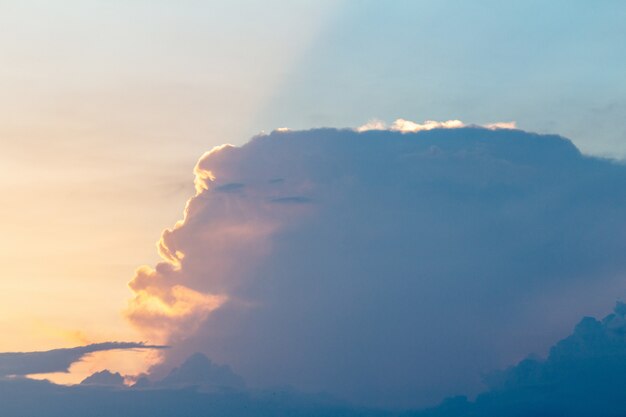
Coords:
pixel 106 107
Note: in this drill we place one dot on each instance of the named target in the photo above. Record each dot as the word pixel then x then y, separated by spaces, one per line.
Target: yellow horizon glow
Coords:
pixel 130 363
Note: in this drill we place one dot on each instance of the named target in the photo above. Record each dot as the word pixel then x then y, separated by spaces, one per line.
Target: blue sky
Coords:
pixel 553 67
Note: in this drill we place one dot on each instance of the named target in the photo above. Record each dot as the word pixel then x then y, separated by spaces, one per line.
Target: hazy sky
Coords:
pixel 106 106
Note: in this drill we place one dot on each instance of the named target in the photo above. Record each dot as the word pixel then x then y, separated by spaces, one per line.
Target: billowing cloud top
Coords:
pixel 384 266
pixel 408 126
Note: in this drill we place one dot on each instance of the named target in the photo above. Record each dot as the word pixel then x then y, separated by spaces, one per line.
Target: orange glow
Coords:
pixel 128 363
pixel 163 314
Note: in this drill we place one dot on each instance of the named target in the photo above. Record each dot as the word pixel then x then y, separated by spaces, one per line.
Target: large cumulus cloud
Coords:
pixel 386 267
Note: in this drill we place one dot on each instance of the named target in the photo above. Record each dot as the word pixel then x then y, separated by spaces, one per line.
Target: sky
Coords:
pixel 106 107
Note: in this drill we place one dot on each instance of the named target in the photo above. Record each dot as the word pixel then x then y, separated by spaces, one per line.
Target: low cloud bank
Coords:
pixel 389 268
pixel 57 360
pixel 27 398
pixel 583 376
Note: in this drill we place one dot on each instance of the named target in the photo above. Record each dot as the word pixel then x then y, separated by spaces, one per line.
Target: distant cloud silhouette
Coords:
pixel 28 398
pixel 200 372
pixel 582 376
pixel 57 360
pixel 386 267
pixel 104 378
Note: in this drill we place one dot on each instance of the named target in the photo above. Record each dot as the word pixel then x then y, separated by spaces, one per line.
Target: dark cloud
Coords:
pixel 26 398
pixel 199 371
pixel 426 259
pixel 197 387
pixel 582 376
pixel 104 378
pixel 58 360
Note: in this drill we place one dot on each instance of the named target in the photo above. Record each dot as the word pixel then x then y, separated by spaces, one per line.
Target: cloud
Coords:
pixel 374 124
pixel 583 375
pixel 201 372
pixel 27 398
pixel 57 360
pixel 386 267
pixel 168 310
pixel 104 378
pixel 501 125
pixel 407 126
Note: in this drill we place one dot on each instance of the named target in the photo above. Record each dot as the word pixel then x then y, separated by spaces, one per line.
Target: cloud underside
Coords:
pixel 386 266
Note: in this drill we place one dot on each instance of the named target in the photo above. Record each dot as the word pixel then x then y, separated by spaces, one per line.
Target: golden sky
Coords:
pixel 105 108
